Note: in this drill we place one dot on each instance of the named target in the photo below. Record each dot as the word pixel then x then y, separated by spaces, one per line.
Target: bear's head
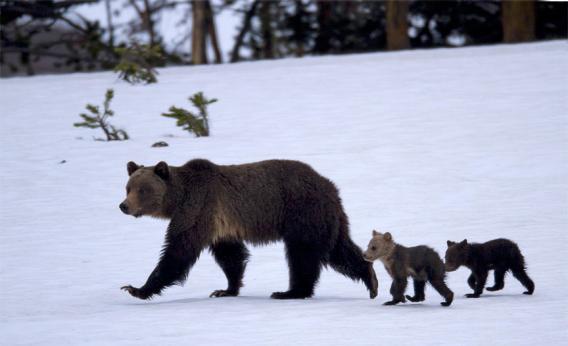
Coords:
pixel 381 245
pixel 146 190
pixel 456 255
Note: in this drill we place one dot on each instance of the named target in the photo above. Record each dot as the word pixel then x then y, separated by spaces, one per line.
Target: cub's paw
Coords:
pixel 472 295
pixel 529 293
pixel 289 295
pixel 449 299
pixel 223 293
pixel 415 299
pixel 135 292
pixel 493 288
pixel 393 302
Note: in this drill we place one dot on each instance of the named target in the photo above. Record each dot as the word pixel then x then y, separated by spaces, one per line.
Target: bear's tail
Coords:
pixel 347 258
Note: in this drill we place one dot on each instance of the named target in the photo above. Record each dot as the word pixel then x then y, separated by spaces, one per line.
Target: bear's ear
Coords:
pixel 375 233
pixel 450 243
pixel 162 170
pixel 463 242
pixel 131 167
pixel 387 236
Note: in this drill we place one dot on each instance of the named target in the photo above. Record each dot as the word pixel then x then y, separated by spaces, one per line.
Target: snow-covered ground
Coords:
pixel 430 145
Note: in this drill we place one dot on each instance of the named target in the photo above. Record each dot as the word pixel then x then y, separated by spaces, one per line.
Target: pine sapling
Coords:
pixel 191 122
pixel 137 63
pixel 98 120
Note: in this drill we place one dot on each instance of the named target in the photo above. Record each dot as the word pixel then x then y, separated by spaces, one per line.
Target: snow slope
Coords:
pixel 430 145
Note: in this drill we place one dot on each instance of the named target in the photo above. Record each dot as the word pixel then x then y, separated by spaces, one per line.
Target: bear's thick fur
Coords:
pixel 222 207
pixel 501 255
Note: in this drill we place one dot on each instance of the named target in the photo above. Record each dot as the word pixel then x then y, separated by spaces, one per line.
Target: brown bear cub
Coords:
pixel 221 208
pixel 420 262
pixel 500 255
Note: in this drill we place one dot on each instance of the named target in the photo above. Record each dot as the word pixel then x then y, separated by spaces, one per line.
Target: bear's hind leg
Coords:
pixel 347 259
pixel 499 279
pixel 232 257
pixel 419 286
pixel 304 262
pixel 440 286
pixel 521 275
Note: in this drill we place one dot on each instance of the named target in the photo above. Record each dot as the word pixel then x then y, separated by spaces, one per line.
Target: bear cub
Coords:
pixel 420 262
pixel 500 255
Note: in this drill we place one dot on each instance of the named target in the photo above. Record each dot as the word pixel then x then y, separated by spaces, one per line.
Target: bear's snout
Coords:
pixel 123 207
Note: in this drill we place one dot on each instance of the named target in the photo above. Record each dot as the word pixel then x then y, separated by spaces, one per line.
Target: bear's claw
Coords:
pixel 223 293
pixel 135 292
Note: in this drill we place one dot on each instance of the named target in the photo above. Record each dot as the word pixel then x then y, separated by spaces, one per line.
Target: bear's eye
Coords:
pixel 127 190
pixel 141 191
pixel 373 248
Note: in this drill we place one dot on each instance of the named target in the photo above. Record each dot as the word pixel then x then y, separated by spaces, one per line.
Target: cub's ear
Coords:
pixel 375 233
pixel 450 243
pixel 463 242
pixel 387 236
pixel 162 170
pixel 131 167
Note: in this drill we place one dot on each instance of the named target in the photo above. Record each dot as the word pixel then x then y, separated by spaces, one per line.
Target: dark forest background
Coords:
pixel 49 36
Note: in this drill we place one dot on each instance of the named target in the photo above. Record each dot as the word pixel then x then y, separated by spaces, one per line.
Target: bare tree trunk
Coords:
pixel 146 18
pixel 109 24
pixel 299 29
pixel 149 23
pixel 246 27
pixel 397 25
pixel 212 31
pixel 518 20
pixel 267 35
pixel 198 33
pixel 322 44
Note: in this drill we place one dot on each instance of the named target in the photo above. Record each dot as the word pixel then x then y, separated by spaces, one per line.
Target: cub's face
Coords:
pixel 145 190
pixel 455 255
pixel 379 246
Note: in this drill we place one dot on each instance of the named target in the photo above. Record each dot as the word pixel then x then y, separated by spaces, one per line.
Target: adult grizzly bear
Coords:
pixel 221 207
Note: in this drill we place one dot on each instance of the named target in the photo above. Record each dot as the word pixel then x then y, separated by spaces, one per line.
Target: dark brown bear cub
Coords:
pixel 420 262
pixel 501 255
pixel 222 207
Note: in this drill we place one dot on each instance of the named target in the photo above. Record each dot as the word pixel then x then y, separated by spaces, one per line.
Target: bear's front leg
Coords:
pixel 480 279
pixel 181 250
pixel 232 257
pixel 397 290
pixel 471 281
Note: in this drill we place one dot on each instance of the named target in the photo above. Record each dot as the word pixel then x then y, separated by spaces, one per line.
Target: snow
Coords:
pixel 430 145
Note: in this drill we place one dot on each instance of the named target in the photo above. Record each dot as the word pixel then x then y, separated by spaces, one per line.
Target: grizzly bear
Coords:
pixel 420 262
pixel 222 207
pixel 501 255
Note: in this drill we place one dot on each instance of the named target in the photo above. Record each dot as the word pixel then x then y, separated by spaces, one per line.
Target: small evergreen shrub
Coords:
pixel 137 63
pixel 98 120
pixel 197 124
